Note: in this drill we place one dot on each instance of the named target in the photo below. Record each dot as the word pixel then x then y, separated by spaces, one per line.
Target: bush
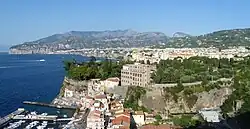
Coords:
pixel 187 79
pixel 188 92
pixel 158 117
pixel 184 121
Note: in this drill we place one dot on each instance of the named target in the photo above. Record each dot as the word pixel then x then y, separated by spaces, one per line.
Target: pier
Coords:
pixel 36 117
pixel 49 105
pixel 10 116
pixel 41 118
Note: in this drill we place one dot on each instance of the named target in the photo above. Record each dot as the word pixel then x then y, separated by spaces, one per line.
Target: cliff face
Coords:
pixel 77 86
pixel 156 99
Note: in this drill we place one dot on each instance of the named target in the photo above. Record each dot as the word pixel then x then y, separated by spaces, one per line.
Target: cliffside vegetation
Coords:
pixel 185 120
pixel 211 72
pixel 134 93
pixel 192 70
pixel 241 84
pixel 93 69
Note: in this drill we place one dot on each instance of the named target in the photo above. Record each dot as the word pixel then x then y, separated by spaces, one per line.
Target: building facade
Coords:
pixel 136 74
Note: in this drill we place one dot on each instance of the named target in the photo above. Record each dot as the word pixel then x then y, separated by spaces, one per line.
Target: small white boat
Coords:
pixel 44 114
pixel 42 60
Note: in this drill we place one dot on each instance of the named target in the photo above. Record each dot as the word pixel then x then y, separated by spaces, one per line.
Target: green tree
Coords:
pixel 158 117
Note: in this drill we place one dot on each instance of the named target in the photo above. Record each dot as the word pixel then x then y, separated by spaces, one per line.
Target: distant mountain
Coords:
pixel 223 38
pixel 130 38
pixel 91 39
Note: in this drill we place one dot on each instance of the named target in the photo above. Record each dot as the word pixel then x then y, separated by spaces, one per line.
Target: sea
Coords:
pixel 31 78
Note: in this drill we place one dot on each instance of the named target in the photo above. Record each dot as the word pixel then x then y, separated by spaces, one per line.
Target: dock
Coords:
pixel 49 105
pixel 11 116
pixel 41 118
pixel 35 117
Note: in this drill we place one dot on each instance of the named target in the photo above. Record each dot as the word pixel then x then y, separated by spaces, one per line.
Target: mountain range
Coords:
pixel 130 38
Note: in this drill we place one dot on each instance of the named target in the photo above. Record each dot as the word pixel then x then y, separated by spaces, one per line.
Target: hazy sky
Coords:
pixel 27 20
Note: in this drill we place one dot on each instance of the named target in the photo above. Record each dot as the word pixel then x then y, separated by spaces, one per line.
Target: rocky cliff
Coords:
pixel 182 99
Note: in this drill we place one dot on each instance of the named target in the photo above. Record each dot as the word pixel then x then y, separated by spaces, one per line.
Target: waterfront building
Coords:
pixel 69 91
pixel 136 74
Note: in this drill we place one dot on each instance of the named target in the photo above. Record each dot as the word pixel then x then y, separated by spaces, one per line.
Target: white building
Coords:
pixel 111 83
pixel 69 92
pixel 103 99
pixel 210 115
pixel 139 118
pixel 95 120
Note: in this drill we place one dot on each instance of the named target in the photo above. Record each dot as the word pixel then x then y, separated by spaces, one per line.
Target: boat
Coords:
pixel 42 60
pixel 16 124
pixel 32 124
pixel 33 113
pixel 44 114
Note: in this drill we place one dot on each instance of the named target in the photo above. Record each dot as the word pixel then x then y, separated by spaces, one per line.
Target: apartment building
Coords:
pixel 136 74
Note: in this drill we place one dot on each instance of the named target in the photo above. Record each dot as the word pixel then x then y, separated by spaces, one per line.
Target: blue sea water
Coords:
pixel 26 77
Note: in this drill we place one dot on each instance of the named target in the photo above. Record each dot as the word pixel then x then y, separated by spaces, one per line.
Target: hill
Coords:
pixel 223 38
pixel 92 39
pixel 130 38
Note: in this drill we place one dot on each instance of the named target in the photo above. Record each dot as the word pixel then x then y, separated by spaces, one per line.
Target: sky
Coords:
pixel 29 20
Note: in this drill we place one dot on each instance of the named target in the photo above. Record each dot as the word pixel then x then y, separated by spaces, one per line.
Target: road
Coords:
pixel 80 122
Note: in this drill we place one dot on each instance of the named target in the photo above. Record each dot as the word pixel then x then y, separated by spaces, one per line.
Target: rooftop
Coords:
pixel 164 126
pixel 121 120
pixel 115 79
pixel 102 96
pixel 138 113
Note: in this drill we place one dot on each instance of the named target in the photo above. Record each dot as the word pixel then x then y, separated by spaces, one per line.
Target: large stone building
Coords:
pixel 136 74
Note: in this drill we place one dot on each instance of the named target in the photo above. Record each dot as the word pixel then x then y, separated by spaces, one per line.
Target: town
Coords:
pixel 107 99
pixel 155 55
pixel 132 91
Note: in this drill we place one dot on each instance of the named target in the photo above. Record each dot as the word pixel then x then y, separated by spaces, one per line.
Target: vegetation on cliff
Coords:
pixel 192 70
pixel 93 69
pixel 185 120
pixel 211 73
pixel 134 93
pixel 241 85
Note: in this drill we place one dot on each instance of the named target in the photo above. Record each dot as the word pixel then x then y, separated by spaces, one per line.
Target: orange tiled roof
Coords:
pixel 88 97
pixel 164 126
pixel 121 120
pixel 122 114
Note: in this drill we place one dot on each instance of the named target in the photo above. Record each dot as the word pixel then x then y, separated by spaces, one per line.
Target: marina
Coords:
pixel 29 120
pixel 10 116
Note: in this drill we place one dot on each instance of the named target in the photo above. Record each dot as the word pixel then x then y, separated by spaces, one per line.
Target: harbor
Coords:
pixel 29 119
pixel 10 116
